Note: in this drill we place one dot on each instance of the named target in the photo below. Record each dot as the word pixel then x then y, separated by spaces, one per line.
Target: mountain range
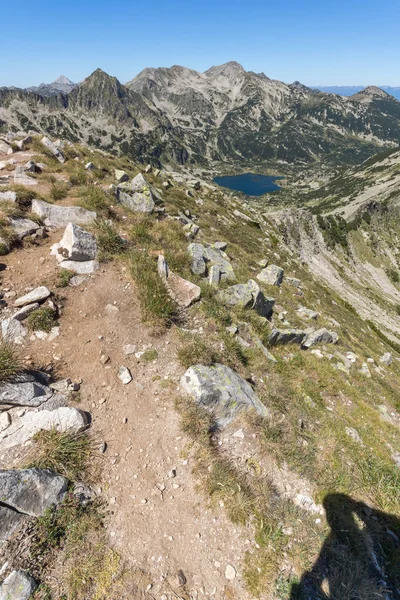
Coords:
pixel 225 118
pixel 350 90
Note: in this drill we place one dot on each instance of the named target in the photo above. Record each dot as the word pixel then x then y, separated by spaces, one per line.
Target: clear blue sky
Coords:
pixel 326 42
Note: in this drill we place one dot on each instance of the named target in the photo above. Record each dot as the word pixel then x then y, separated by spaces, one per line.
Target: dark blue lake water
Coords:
pixel 249 183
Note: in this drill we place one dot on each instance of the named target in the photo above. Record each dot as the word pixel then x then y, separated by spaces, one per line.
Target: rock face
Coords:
pixel 55 150
pixel 204 257
pixel 31 491
pixel 221 391
pixel 271 275
pixel 286 336
pixel 37 295
pixel 247 295
pixel 184 292
pixel 60 216
pixel 63 419
pixel 17 586
pixel 137 195
pixel 321 336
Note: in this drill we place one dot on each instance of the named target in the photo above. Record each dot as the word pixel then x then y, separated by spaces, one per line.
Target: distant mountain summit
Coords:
pixel 61 84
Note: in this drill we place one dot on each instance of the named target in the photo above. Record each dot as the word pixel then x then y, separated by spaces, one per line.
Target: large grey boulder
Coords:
pixel 286 336
pixel 271 275
pixel 184 292
pixel 321 336
pixel 23 227
pixel 60 216
pixel 10 520
pixel 55 150
pixel 76 244
pixel 31 491
pixel 26 390
pixel 198 266
pixel 136 195
pixel 37 295
pixel 18 586
pixel 23 429
pixel 247 295
pixel 221 391
pixel 386 359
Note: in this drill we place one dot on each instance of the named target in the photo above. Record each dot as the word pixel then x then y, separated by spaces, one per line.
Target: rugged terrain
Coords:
pixel 223 120
pixel 216 386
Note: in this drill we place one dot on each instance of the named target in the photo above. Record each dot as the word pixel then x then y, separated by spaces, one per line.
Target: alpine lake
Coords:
pixel 250 184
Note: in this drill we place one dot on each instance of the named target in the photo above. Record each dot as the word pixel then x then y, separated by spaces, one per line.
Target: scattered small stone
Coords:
pixel 230 572
pixel 125 375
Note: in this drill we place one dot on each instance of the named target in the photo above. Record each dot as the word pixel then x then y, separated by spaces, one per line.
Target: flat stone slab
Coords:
pixel 321 336
pixel 25 311
pixel 60 216
pixel 81 268
pixel 55 150
pixel 23 429
pixel 23 227
pixel 271 275
pixel 24 393
pixel 221 391
pixel 37 295
pixel 31 491
pixel 184 292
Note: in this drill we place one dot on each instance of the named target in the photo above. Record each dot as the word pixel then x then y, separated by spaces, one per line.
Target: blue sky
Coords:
pixel 326 42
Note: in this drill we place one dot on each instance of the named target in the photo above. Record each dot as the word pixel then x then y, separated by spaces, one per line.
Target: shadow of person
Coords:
pixel 360 558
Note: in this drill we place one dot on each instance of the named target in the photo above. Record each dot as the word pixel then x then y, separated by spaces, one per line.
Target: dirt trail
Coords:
pixel 158 522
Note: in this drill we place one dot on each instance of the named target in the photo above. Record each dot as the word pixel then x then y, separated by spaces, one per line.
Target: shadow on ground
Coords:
pixel 360 558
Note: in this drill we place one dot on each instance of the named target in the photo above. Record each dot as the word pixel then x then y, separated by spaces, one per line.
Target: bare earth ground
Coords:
pixel 158 523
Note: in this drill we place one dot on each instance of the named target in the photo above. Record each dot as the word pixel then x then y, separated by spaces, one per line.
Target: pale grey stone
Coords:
pixel 198 266
pixel 77 244
pixel 137 195
pixel 31 491
pixel 10 520
pixel 386 359
pixel 19 585
pixel 60 216
pixel 121 176
pixel 81 268
pixel 23 227
pixel 247 295
pixel 24 393
pixel 25 311
pixel 307 313
pixel 321 336
pixel 12 331
pixel 184 292
pixel 222 391
pixel 220 245
pixel 54 149
pixel 271 275
pixel 37 295
pixel 8 196
pixel 293 281
pixel 89 166
pixel 125 375
pixel 21 178
pixel 214 276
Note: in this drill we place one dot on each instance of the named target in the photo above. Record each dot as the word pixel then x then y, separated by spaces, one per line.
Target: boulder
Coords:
pixel 76 244
pixel 32 167
pixel 307 313
pixel 20 177
pixel 246 218
pixel 220 246
pixel 31 491
pixel 23 429
pixel 221 391
pixel 286 336
pixel 54 149
pixel 81 268
pixel 271 275
pixel 37 295
pixel 247 295
pixel 214 276
pixel 8 196
pixel 182 291
pixel 208 256
pixel 321 336
pixel 60 216
pixel 136 195
pixel 22 144
pixel 386 359
pixel 23 227
pixel 17 586
pixel 12 331
pixel 293 281
pixel 24 393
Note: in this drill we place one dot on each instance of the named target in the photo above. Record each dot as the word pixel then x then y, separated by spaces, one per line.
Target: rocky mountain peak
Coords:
pixel 369 93
pixel 230 69
pixel 64 80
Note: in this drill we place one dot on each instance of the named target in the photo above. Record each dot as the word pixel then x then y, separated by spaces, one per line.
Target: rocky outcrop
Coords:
pixel 205 256
pixel 286 336
pixel 222 391
pixel 247 295
pixel 184 292
pixel 59 216
pixel 54 150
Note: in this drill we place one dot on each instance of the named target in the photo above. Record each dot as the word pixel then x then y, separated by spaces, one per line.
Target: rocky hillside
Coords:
pixel 224 119
pixel 188 409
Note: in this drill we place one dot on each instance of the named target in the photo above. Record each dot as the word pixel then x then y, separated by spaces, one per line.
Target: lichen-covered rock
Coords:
pixel 321 336
pixel 204 257
pixel 17 586
pixel 286 336
pixel 247 295
pixel 60 216
pixel 222 391
pixel 137 195
pixel 271 275
pixel 198 266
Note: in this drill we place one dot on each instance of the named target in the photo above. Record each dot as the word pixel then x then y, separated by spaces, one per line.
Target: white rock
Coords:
pixel 230 572
pixel 81 268
pixel 12 331
pixel 37 295
pixel 125 375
